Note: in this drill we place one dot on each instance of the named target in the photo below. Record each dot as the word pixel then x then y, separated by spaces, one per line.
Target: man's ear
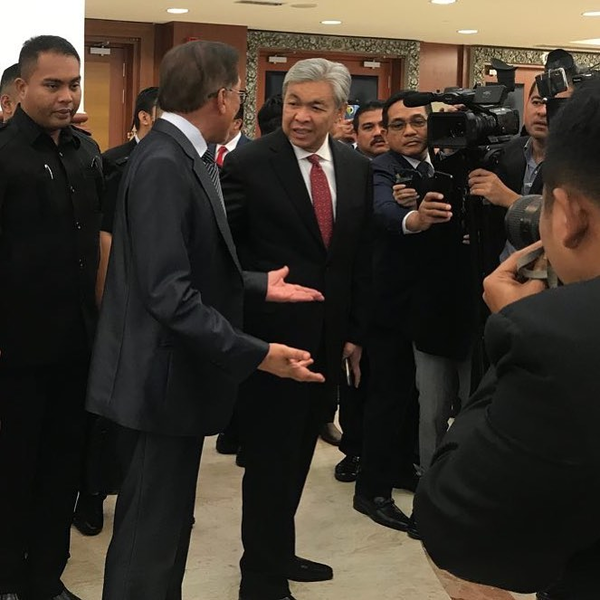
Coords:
pixel 572 212
pixel 21 86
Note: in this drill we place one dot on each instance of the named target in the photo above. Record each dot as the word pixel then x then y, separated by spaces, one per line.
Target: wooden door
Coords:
pixel 105 85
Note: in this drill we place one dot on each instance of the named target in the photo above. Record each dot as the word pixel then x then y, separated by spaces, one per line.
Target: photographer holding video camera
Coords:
pixel 511 499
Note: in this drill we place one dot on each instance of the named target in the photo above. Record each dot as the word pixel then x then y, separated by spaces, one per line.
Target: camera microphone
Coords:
pixel 419 99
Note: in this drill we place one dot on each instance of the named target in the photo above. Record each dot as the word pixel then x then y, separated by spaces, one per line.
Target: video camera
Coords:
pixel 483 121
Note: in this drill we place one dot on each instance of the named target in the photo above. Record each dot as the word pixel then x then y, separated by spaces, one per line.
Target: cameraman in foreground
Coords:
pixel 511 499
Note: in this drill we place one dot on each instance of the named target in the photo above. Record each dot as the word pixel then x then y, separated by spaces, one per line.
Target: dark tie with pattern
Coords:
pixel 209 160
pixel 321 197
pixel 425 169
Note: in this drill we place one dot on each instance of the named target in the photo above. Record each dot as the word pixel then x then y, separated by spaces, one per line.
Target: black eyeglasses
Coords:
pixel 416 123
pixel 243 94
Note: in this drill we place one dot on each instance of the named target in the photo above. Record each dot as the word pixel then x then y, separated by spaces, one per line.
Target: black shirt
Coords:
pixel 49 228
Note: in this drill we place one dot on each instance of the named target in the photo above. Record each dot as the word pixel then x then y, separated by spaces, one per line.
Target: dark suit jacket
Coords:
pixel 512 497
pixel 114 155
pixel 511 167
pixel 273 223
pixel 422 282
pixel 168 354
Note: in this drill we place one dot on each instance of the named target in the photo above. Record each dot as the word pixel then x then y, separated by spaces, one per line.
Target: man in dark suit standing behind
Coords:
pixel 511 499
pixel 296 196
pixel 169 354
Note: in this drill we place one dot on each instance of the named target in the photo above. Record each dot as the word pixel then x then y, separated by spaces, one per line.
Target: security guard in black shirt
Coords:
pixel 50 179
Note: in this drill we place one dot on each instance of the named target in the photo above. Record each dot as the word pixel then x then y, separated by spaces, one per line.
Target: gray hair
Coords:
pixel 321 69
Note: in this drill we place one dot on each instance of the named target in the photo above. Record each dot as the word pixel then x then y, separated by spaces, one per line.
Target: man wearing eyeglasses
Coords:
pixel 417 317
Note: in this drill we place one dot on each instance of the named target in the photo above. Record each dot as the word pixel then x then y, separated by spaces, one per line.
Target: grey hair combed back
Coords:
pixel 321 69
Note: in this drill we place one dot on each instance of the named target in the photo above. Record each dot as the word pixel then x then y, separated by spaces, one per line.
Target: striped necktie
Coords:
pixel 209 160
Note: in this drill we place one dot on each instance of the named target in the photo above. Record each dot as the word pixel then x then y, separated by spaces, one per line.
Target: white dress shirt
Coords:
pixel 230 145
pixel 190 131
pixel 326 162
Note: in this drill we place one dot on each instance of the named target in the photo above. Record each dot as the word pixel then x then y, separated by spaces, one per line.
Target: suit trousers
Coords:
pixel 280 421
pixel 389 423
pixel 352 408
pixel 440 381
pixel 42 425
pixel 153 517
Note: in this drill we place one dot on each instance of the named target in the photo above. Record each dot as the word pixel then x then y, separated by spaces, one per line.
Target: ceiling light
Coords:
pixel 304 5
pixel 591 13
pixel 331 22
pixel 468 31
pixel 178 11
pixel 442 1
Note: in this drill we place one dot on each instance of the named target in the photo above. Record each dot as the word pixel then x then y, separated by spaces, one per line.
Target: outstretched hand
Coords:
pixel 278 290
pixel 290 363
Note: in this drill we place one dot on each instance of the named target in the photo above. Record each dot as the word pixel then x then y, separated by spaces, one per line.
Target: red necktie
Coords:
pixel 221 156
pixel 321 197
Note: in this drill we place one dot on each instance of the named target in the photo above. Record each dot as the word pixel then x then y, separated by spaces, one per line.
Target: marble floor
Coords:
pixel 370 562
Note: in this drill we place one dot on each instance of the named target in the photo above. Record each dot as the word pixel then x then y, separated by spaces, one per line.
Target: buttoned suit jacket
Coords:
pixel 273 224
pixel 169 353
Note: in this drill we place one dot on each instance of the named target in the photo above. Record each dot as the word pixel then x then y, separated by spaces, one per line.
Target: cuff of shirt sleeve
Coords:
pixel 405 229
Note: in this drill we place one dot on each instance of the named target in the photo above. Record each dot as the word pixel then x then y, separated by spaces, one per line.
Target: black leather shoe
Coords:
pixel 306 570
pixel 240 459
pixel 10 597
pixel 552 595
pixel 66 595
pixel 347 469
pixel 227 444
pixel 331 434
pixel 412 530
pixel 89 513
pixel 383 511
pixel 253 598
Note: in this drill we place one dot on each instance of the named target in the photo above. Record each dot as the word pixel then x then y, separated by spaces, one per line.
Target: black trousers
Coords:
pixel 352 408
pixel 391 417
pixel 280 421
pixel 153 517
pixel 42 425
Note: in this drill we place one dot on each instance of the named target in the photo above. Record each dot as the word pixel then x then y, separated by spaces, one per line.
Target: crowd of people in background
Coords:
pixel 194 282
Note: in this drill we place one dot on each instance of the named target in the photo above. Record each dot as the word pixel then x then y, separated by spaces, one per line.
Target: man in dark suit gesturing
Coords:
pixel 169 353
pixel 512 496
pixel 296 197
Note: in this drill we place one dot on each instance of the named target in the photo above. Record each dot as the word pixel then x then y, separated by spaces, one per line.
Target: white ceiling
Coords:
pixel 518 23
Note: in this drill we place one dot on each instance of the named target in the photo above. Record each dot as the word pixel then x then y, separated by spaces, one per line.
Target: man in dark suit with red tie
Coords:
pixel 297 198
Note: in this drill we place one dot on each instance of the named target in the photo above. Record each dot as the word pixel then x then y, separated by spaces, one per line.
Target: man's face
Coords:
pixel 51 94
pixel 309 113
pixel 406 132
pixel 232 101
pixel 534 117
pixel 9 101
pixel 234 129
pixel 369 136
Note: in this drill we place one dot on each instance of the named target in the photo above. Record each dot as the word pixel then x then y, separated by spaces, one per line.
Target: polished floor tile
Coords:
pixel 370 562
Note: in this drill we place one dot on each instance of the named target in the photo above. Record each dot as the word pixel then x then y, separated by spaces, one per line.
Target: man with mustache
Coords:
pixel 50 179
pixel 368 126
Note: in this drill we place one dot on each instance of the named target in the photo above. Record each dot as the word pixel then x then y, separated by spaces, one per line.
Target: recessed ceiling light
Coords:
pixel 331 22
pixel 178 11
pixel 468 31
pixel 303 5
pixel 442 1
pixel 591 13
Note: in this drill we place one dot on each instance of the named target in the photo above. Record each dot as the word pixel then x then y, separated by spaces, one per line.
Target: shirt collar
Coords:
pixel 414 162
pixel 324 152
pixel 32 131
pixel 528 151
pixel 191 132
pixel 232 143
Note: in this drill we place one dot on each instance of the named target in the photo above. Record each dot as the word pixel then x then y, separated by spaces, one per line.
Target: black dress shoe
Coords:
pixel 412 530
pixel 10 597
pixel 241 597
pixel 331 434
pixel 383 511
pixel 66 595
pixel 89 513
pixel 240 459
pixel 227 444
pixel 347 469
pixel 306 570
pixel 551 595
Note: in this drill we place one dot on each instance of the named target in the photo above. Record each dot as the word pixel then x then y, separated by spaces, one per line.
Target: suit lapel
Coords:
pixel 204 179
pixel 345 190
pixel 285 166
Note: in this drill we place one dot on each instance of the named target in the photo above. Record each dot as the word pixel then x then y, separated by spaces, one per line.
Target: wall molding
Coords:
pixel 274 40
pixel 481 56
